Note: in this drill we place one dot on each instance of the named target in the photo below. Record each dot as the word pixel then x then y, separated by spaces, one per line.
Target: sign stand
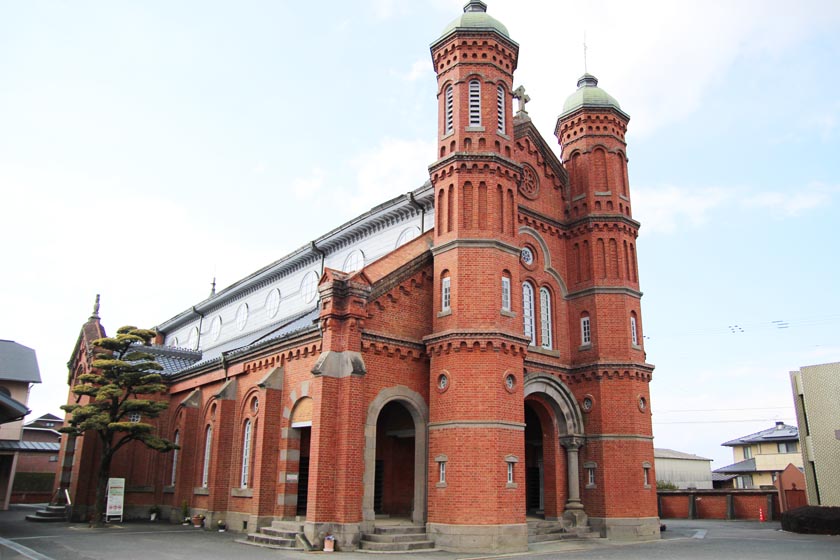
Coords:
pixel 116 495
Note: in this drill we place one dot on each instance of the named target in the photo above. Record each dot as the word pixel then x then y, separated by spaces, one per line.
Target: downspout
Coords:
pixel 200 323
pixel 223 361
pixel 320 252
pixel 422 212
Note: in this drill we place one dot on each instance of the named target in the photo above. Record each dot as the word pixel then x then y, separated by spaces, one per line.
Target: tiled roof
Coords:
pixel 747 466
pixel 173 360
pixel 262 337
pixel 720 477
pixel 661 453
pixel 779 432
pixel 14 445
pixel 18 362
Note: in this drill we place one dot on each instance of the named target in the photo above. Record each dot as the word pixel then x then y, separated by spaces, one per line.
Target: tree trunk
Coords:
pixel 102 488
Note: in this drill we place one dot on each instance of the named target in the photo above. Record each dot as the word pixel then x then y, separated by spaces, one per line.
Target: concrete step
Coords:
pixel 400 530
pixel 281 533
pixel 395 546
pixel 48 514
pixel 394 538
pixel 271 541
pixel 289 526
pixel 267 545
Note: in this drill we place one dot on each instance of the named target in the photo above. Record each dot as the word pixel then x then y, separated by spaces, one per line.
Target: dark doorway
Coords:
pixel 394 472
pixel 303 471
pixel 534 486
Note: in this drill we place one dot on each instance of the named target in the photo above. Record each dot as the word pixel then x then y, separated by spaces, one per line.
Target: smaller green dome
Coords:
pixel 475 17
pixel 589 94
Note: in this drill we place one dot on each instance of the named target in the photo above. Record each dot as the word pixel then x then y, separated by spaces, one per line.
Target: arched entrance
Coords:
pixel 395 457
pixel 301 422
pixel 553 435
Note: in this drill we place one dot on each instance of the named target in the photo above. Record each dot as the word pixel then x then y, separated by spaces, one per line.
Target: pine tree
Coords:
pixel 112 396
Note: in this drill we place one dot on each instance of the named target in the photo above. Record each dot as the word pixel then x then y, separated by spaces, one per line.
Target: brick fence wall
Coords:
pixel 718 504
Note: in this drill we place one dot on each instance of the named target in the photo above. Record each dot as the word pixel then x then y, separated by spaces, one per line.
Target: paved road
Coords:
pixel 684 539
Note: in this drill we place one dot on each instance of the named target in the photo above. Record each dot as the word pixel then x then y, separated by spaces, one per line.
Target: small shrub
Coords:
pixel 812 519
pixel 666 485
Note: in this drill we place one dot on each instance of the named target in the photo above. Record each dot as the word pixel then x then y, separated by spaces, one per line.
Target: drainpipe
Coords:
pixel 422 212
pixel 320 252
pixel 200 323
pixel 223 361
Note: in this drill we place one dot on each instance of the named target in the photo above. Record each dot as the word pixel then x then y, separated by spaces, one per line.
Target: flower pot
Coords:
pixel 197 521
pixel 153 516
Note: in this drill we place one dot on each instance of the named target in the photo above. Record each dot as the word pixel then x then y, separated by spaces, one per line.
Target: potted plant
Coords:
pixel 198 520
pixel 185 513
pixel 222 526
pixel 154 511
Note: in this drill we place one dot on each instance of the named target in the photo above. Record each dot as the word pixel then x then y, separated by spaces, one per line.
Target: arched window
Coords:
pixel 448 110
pixel 528 311
pixel 545 317
pixel 246 453
pixel 445 292
pixel 205 472
pixel 177 441
pixel 354 261
pixel 585 330
pixel 634 336
pixel 475 103
pixel 500 108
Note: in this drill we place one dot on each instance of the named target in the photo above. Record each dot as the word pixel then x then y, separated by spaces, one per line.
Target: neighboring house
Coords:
pixel 759 457
pixel 37 460
pixel 18 371
pixel 684 470
pixel 816 394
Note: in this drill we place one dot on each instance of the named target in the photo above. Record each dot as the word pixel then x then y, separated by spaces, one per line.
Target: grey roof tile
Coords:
pixel 18 362
pixel 779 432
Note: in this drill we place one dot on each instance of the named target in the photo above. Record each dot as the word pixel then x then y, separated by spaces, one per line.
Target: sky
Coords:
pixel 148 147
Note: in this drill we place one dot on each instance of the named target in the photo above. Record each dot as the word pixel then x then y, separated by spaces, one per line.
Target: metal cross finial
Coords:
pixel 213 287
pixel 523 98
pixel 585 69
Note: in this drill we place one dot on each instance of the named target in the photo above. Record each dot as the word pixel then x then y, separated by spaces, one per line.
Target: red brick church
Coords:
pixel 465 358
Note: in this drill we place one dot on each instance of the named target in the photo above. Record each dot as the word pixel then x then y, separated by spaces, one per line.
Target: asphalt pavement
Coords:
pixel 683 539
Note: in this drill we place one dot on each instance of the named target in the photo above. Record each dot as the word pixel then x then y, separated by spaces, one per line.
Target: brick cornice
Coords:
pixel 467 339
pixel 476 244
pixel 619 290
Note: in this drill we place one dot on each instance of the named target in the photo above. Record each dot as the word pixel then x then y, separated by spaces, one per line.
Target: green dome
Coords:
pixel 475 17
pixel 589 94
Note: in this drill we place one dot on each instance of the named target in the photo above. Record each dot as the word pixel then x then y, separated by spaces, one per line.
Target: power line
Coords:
pixel 788 407
pixel 717 421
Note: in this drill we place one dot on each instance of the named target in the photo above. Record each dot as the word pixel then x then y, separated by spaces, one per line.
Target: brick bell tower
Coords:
pixel 476 481
pixel 611 375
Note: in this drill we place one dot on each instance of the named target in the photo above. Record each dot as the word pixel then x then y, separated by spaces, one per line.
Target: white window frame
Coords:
pixel 528 320
pixel 173 474
pixel 510 472
pixel 748 452
pixel 205 471
pixel 505 293
pixel 634 337
pixel 585 331
pixel 445 294
pixel 590 475
pixel 545 318
pixel 646 471
pixel 246 453
pixel 441 472
pixel 500 108
pixel 475 102
pixel 449 96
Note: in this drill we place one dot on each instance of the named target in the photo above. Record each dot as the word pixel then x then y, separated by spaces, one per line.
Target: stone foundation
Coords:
pixel 626 528
pixel 479 538
pixel 347 535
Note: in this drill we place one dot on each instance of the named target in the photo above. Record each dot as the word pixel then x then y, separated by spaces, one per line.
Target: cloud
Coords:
pixel 392 168
pixel 794 203
pixel 659 58
pixel 662 209
pixel 420 69
pixel 305 188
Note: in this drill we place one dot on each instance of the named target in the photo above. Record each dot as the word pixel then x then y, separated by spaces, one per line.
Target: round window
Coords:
pixel 242 316
pixel 442 382
pixel 510 382
pixel 527 255
pixel 272 303
pixel 587 404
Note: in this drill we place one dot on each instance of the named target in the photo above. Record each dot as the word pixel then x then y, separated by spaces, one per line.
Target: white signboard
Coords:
pixel 116 494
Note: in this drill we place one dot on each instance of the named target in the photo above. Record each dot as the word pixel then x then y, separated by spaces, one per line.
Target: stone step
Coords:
pixel 272 541
pixel 266 545
pixel 395 546
pixel 400 530
pixel 281 533
pixel 393 538
pixel 48 514
pixel 290 526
